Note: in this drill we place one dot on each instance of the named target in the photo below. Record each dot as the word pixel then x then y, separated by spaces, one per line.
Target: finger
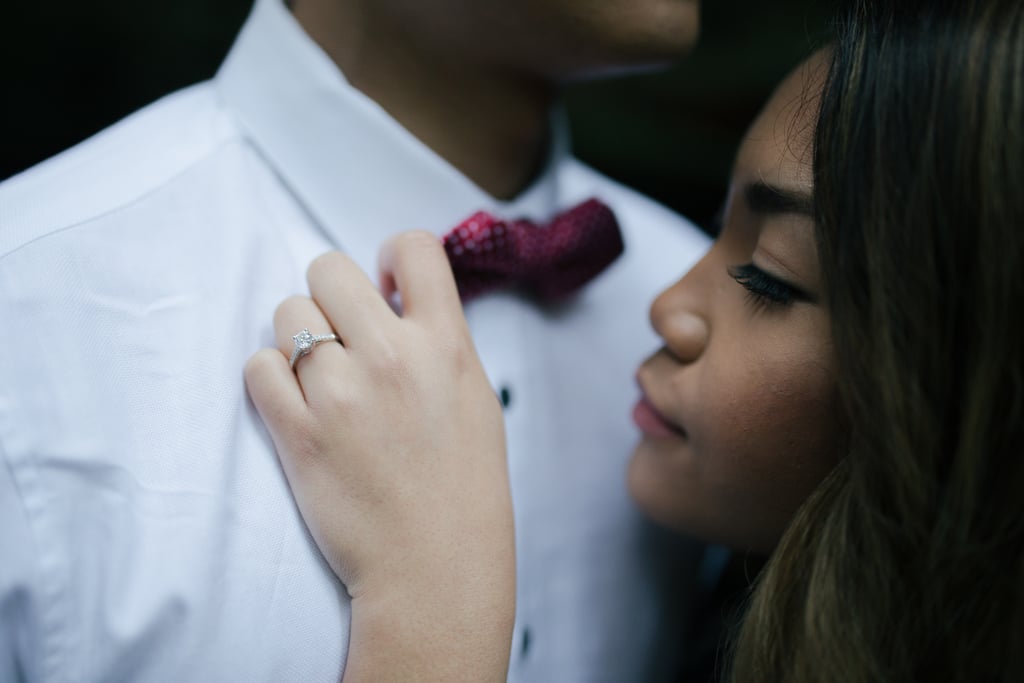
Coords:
pixel 414 265
pixel 325 361
pixel 275 392
pixel 349 299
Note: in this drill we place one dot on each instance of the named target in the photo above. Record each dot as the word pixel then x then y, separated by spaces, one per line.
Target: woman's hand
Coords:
pixel 394 446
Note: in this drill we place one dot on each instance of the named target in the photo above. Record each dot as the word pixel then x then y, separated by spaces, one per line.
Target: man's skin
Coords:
pixel 475 79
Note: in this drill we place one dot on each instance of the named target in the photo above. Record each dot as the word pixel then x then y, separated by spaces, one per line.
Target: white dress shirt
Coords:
pixel 146 530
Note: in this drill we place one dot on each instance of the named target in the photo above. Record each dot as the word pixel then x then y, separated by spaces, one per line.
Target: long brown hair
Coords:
pixel 907 563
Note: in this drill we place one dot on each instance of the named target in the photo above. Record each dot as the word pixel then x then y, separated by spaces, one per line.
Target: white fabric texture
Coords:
pixel 146 530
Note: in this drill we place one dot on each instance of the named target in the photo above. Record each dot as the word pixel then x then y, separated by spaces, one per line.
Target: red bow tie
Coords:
pixel 550 261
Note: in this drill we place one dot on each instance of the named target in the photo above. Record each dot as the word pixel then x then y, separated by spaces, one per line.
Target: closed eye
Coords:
pixel 764 288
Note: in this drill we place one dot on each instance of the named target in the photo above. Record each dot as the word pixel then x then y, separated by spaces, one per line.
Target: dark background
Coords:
pixel 70 68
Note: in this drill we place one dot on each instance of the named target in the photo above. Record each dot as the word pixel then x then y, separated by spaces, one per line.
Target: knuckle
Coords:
pixel 447 351
pixel 460 353
pixel 387 362
pixel 337 397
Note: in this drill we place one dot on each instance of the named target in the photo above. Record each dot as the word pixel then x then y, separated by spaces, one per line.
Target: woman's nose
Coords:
pixel 678 320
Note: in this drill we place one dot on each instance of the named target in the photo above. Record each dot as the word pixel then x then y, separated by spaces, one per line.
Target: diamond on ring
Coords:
pixel 304 343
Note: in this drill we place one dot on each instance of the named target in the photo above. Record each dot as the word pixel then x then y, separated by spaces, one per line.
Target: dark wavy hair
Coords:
pixel 907 563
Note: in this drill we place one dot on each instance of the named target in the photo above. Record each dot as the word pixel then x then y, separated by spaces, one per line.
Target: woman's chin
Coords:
pixel 659 477
pixel 664 479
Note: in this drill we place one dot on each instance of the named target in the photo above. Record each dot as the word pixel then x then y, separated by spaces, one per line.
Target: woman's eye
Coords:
pixel 762 287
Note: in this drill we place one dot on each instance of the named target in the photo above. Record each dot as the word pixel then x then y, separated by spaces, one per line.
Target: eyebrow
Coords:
pixel 771 200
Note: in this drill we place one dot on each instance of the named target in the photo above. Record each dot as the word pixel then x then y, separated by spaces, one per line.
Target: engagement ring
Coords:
pixel 304 343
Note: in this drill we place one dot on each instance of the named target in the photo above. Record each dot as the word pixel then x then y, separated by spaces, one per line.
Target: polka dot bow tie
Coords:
pixel 550 261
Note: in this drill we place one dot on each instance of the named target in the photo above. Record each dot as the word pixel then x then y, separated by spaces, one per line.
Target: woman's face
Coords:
pixel 738 409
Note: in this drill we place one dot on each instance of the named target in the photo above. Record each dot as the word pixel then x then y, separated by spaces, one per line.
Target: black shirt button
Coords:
pixel 525 647
pixel 505 395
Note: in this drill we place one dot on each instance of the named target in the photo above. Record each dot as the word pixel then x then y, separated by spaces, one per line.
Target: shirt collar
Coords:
pixel 356 170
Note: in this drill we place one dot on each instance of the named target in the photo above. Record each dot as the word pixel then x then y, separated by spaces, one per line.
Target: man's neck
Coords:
pixel 491 126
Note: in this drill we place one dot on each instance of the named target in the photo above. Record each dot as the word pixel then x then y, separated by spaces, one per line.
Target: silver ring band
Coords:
pixel 305 341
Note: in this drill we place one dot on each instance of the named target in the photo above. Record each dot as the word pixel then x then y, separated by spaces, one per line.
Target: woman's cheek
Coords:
pixel 769 446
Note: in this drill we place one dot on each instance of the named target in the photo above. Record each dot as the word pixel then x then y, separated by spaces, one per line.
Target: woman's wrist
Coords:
pixel 455 628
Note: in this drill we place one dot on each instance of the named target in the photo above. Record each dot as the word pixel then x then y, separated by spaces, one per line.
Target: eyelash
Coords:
pixel 762 288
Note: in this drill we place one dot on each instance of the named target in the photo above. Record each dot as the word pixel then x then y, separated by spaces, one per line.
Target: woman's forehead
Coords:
pixel 778 147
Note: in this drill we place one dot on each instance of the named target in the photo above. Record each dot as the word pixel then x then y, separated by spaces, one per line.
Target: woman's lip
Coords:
pixel 651 422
